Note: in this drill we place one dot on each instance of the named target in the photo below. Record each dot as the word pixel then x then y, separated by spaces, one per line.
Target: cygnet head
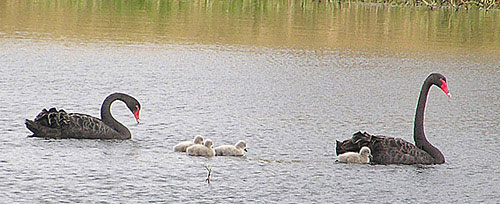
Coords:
pixel 198 139
pixel 365 151
pixel 242 144
pixel 209 143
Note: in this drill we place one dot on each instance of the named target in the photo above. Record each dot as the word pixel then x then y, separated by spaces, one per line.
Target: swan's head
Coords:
pixel 198 139
pixel 241 145
pixel 440 81
pixel 134 106
pixel 209 143
pixel 365 151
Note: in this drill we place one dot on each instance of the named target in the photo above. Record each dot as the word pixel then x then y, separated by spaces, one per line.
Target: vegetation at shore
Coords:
pixel 432 4
pixel 324 25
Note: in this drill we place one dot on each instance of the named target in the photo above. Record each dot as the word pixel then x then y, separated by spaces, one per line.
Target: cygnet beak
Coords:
pixel 245 150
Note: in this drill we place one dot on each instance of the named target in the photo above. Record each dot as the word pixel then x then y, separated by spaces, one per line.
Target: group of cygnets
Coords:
pixel 201 147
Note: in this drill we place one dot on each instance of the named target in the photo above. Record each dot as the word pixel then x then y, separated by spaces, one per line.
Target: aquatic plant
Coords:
pixel 209 169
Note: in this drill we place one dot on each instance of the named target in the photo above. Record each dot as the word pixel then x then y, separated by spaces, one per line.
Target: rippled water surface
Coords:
pixel 288 98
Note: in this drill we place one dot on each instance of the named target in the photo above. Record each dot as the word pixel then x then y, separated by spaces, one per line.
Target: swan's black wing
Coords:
pixel 385 150
pixel 48 123
pixel 59 124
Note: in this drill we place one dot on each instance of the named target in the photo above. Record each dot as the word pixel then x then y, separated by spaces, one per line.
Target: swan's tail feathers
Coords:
pixel 48 123
pixel 354 144
pixel 39 130
pixel 31 126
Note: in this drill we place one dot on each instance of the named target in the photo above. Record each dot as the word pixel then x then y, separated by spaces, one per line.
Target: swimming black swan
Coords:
pixel 60 125
pixel 390 150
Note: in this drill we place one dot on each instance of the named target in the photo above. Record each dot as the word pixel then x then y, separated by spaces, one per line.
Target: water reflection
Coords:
pixel 290 105
pixel 291 24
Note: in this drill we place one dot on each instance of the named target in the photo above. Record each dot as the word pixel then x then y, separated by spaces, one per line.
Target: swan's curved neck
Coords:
pixel 418 130
pixel 108 119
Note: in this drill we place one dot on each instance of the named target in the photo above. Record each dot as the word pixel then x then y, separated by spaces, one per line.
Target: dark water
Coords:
pixel 290 105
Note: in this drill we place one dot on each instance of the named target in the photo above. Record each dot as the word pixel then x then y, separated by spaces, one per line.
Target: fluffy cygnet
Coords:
pixel 181 147
pixel 201 150
pixel 231 150
pixel 363 157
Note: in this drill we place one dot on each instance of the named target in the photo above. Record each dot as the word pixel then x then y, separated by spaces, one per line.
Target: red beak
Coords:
pixel 136 114
pixel 444 87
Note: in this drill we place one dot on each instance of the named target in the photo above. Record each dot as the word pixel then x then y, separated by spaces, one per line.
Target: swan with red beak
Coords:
pixel 59 124
pixel 136 113
pixel 391 150
pixel 444 87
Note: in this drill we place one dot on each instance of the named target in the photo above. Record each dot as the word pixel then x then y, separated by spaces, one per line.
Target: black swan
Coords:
pixel 60 125
pixel 390 150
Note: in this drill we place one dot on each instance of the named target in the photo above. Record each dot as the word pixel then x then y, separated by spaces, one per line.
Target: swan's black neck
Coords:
pixel 108 119
pixel 418 130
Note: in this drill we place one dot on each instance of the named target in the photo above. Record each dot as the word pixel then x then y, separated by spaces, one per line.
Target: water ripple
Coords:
pixel 289 108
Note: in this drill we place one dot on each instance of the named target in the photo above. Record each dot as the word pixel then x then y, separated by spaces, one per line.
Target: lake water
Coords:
pixel 290 78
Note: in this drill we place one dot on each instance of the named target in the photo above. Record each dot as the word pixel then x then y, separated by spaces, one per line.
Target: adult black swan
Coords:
pixel 390 150
pixel 60 125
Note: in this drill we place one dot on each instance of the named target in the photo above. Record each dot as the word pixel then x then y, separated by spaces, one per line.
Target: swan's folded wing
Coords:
pixel 52 118
pixel 88 127
pixel 390 150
